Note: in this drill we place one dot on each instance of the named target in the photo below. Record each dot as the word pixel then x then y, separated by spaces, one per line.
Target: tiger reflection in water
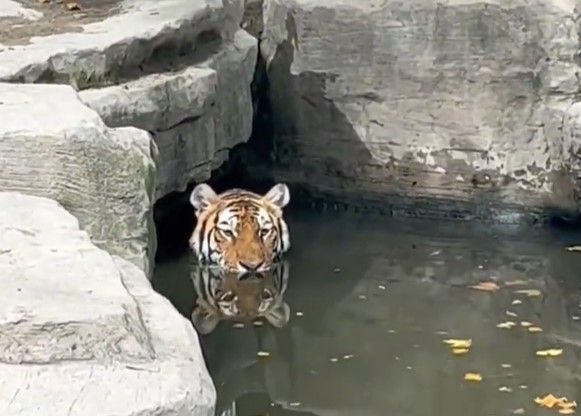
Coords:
pixel 227 295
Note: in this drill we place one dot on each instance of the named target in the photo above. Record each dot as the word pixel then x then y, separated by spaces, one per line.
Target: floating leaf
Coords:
pixel 574 248
pixel 511 313
pixel 459 351
pixel 516 302
pixel 534 329
pixel 505 389
pixel 506 365
pixel 485 286
pixel 238 325
pixel 519 411
pixel 472 377
pixel 549 401
pixel 263 354
pixel 505 325
pixel 553 352
pixel 529 292
pixel 459 343
pixel 525 324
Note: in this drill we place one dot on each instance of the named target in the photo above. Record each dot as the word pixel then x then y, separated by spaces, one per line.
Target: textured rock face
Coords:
pixel 195 115
pixel 87 325
pixel 52 145
pixel 472 102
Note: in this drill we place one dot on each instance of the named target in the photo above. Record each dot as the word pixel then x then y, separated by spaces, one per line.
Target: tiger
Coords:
pixel 239 230
pixel 224 295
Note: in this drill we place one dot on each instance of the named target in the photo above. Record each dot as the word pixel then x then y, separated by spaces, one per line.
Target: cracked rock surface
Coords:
pixel 89 333
pixel 469 104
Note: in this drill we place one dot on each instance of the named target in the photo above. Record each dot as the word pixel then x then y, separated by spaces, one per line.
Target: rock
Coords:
pixel 86 325
pixel 405 104
pixel 195 115
pixel 52 145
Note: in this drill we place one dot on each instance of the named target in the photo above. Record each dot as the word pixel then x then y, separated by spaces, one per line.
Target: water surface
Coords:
pixel 371 301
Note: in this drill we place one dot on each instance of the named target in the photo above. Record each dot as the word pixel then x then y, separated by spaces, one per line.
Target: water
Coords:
pixel 370 302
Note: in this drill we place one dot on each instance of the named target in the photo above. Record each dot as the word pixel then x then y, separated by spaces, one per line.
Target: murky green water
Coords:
pixel 371 302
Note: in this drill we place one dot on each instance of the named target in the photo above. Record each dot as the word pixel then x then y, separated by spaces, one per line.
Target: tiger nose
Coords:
pixel 251 267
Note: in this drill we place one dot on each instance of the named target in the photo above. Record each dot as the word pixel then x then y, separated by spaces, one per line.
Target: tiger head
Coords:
pixel 238 230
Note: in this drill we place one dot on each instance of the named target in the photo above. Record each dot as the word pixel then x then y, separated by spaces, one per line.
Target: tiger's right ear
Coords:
pixel 202 196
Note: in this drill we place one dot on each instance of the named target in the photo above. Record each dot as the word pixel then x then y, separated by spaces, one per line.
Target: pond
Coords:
pixel 367 304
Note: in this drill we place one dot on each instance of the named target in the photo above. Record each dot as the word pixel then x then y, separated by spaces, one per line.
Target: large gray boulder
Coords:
pixel 52 145
pixel 195 114
pixel 83 332
pixel 180 69
pixel 472 104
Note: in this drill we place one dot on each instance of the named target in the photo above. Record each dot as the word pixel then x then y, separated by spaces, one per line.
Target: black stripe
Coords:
pixel 201 236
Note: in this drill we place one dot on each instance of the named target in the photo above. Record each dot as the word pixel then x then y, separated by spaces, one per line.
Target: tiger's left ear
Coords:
pixel 278 195
pixel 202 196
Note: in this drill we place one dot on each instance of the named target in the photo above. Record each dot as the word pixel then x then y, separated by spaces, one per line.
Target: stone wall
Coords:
pixel 460 108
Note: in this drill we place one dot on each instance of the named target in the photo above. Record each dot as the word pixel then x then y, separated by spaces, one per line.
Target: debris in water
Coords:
pixel 381 287
pixel 294 404
pixel 573 248
pixel 336 270
pixel 506 365
pixel 534 329
pixel 575 318
pixel 391 331
pixel 519 411
pixel 552 352
pixel 529 292
pixel 562 403
pixel 485 286
pixel 257 323
pixel 511 314
pixel 472 377
pixel 238 325
pixel 362 297
pixel 505 389
pixel 506 325
pixel 299 314
pixel 516 302
pixel 515 283
pixel 525 324
pixel 523 387
pixel 435 253
pixel 263 353
pixel 334 360
pixel 347 356
pixel 459 351
pixel 459 343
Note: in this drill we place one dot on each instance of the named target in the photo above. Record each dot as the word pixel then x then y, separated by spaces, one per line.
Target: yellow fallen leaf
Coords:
pixel 459 343
pixel 529 292
pixel 485 286
pixel 574 248
pixel 534 329
pixel 565 406
pixel 549 401
pixel 506 325
pixel 459 351
pixel 472 377
pixel 553 352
